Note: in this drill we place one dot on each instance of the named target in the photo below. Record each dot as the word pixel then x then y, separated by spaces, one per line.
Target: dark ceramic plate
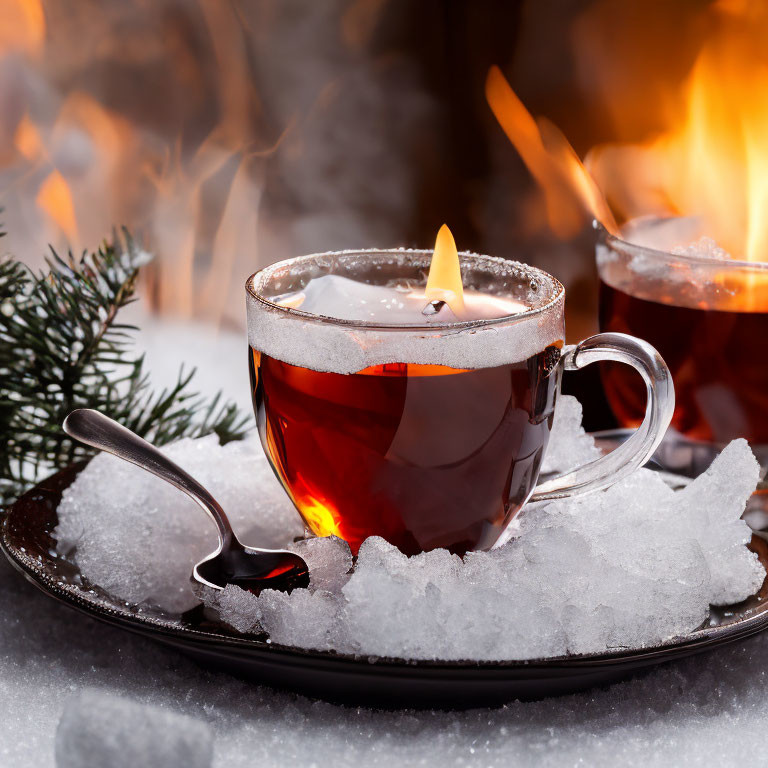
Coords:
pixel 26 540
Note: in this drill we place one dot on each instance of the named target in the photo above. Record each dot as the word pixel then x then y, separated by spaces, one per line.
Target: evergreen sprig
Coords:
pixel 62 347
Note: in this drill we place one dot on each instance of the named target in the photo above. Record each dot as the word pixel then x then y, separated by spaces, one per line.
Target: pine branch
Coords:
pixel 62 347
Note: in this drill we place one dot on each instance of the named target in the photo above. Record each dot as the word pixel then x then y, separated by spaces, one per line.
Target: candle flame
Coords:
pixel 444 281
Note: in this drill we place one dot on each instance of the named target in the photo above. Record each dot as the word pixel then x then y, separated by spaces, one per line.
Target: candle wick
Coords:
pixel 433 307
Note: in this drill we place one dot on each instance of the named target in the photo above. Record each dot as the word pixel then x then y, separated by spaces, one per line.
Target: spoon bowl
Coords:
pixel 232 562
pixel 252 569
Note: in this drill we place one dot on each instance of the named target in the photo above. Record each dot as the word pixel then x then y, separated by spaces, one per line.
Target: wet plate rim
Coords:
pixel 25 538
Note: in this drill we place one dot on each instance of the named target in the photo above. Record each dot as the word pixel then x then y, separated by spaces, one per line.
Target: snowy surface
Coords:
pixel 707 710
pixel 98 729
pixel 219 356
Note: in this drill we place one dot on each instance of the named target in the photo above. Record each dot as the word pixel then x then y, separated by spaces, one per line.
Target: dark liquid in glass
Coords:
pixel 424 456
pixel 718 360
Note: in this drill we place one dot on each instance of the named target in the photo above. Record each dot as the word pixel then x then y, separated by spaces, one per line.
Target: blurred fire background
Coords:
pixel 227 134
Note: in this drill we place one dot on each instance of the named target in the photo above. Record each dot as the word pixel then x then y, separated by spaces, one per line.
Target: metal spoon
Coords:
pixel 232 562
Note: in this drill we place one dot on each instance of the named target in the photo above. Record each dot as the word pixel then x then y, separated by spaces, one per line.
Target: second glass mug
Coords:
pixel 709 318
pixel 427 435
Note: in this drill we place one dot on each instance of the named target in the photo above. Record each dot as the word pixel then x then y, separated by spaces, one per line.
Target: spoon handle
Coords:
pixel 96 429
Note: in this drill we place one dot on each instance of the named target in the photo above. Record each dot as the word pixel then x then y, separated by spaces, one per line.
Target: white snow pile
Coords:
pixel 139 537
pixel 631 566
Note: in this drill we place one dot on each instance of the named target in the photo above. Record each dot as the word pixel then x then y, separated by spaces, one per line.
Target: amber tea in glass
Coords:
pixel 709 320
pixel 401 425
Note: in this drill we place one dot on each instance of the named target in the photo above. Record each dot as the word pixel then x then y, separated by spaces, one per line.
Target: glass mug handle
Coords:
pixel 660 404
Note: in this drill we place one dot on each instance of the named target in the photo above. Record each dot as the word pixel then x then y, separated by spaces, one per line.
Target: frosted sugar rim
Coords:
pixel 641 228
pixel 330 344
pixel 676 279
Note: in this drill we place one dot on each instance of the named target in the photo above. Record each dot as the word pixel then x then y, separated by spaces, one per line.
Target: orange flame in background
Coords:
pixel 709 160
pixel 712 160
pixel 55 199
pixel 176 217
pixel 73 167
pixel 27 139
pixel 22 26
pixel 86 151
pixel 568 187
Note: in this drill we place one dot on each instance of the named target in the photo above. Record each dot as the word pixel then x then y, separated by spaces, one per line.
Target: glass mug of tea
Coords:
pixel 718 310
pixel 381 418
